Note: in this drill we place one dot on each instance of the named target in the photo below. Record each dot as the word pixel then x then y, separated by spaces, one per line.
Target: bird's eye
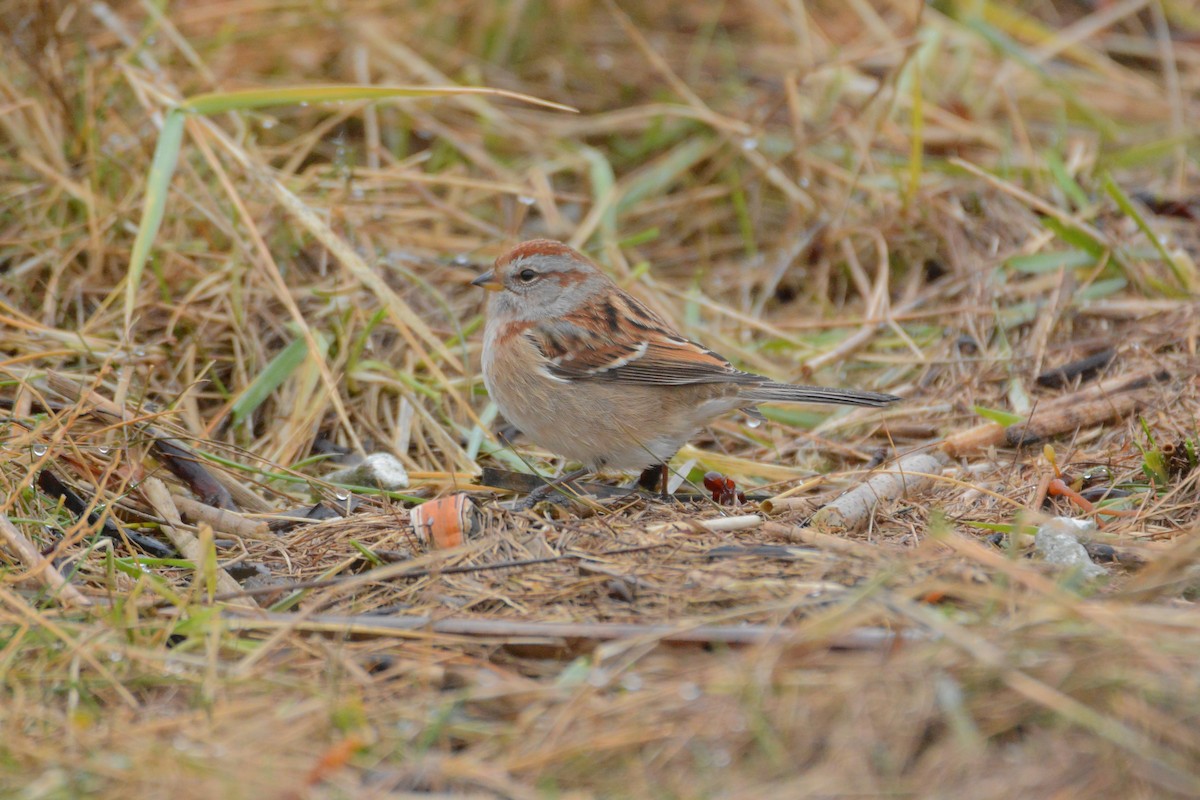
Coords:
pixel 526 275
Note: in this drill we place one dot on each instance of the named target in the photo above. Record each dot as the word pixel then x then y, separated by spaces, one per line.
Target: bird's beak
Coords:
pixel 488 281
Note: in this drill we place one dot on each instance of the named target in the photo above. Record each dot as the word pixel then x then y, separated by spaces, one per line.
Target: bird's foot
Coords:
pixel 550 490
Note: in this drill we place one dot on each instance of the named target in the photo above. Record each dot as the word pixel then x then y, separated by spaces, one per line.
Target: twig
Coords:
pixel 1084 369
pixel 591 632
pixel 973 440
pixel 156 493
pixel 1063 419
pixel 1090 406
pixel 742 522
pixel 53 487
pixel 39 566
pixel 395 572
pixel 815 538
pixel 853 509
pixel 222 520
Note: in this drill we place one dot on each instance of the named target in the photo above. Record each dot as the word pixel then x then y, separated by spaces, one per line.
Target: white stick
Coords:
pixel 159 497
pixel 39 567
pixel 853 510
pixel 744 522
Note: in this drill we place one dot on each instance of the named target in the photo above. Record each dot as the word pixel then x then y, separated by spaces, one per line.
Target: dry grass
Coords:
pixel 940 201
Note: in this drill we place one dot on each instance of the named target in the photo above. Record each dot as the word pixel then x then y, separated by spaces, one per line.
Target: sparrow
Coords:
pixel 588 372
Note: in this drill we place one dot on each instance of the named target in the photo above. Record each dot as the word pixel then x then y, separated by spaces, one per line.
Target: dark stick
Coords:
pixel 392 574
pixel 53 487
pixel 1084 369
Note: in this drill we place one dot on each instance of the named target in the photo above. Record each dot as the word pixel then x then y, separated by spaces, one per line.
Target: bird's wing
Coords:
pixel 620 340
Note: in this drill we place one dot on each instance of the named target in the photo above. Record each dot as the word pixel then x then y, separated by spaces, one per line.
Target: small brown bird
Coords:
pixel 589 373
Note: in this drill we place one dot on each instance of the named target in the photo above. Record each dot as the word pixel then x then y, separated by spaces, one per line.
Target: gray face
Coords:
pixel 538 286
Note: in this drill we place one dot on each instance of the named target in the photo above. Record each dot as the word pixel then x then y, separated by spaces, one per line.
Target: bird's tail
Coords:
pixel 787 393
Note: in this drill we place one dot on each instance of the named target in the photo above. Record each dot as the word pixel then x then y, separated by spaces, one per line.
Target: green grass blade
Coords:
pixel 280 368
pixel 1037 263
pixel 657 178
pixel 996 415
pixel 166 155
pixel 1185 275
pixel 1069 186
pixel 216 102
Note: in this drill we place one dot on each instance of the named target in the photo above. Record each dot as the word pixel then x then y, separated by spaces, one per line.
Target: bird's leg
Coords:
pixel 656 477
pixel 549 487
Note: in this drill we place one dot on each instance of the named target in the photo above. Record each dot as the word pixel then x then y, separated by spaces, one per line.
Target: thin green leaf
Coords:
pixel 1005 418
pixel 281 367
pixel 367 553
pixel 1051 262
pixel 603 180
pixel 1101 289
pixel 158 183
pixel 1068 185
pixel 657 178
pixel 1077 238
pixel 1186 275
pixel 216 102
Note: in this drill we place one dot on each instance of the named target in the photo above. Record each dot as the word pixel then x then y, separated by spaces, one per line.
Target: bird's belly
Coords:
pixel 614 426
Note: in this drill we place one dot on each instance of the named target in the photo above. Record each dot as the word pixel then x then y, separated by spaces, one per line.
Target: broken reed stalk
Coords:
pixel 853 509
pixel 1064 418
pixel 220 520
pixel 159 498
pixel 1108 399
pixel 800 505
pixel 39 566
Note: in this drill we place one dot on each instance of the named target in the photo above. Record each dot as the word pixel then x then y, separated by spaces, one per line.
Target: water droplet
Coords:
pixel 804 183
pixel 103 449
pixel 753 422
pixel 461 260
pixel 304 104
pixel 115 656
pixel 689 692
pixel 604 61
pixel 269 123
pixel 139 352
pixel 750 143
pixel 632 682
pixel 342 494
pixel 598 677
pixel 39 450
pixel 526 200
